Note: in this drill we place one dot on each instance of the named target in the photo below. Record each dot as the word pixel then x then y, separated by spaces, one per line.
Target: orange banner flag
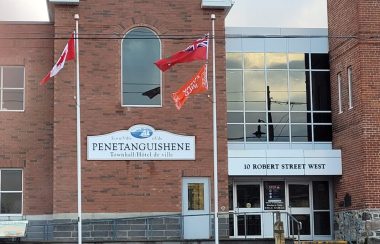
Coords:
pixel 197 84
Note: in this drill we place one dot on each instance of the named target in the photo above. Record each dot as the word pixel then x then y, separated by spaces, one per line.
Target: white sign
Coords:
pixel 275 165
pixel 10 229
pixel 141 142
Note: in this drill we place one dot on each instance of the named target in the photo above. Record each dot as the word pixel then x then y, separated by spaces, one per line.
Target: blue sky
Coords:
pixel 258 13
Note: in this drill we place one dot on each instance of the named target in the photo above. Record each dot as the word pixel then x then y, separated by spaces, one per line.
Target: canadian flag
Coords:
pixel 67 54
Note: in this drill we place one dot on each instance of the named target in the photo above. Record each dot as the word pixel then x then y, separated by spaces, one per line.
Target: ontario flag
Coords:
pixel 197 84
pixel 67 54
pixel 196 51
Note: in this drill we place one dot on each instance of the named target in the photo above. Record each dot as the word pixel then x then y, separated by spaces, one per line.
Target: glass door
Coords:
pixel 300 207
pixel 247 214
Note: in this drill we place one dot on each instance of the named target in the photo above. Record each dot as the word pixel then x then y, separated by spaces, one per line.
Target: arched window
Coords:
pixel 141 79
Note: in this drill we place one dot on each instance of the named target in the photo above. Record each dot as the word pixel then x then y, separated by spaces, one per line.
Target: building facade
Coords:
pixel 280 154
pixel 140 195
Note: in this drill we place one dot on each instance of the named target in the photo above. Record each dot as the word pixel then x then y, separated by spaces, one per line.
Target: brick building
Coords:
pixel 355 111
pixel 120 198
pixel 290 104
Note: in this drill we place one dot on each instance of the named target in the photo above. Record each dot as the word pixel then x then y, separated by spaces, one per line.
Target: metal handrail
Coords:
pixel 299 223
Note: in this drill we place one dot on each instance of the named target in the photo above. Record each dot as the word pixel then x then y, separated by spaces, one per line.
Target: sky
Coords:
pixel 256 13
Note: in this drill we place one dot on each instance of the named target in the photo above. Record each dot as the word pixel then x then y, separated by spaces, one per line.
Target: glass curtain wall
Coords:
pixel 278 97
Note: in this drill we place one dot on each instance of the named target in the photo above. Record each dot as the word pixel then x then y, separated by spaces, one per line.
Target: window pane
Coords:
pixel 301 133
pixel 13 99
pixel 277 81
pixel 299 196
pixel 235 117
pixel 323 133
pixel 234 90
pixel 298 60
pixel 10 203
pixel 235 132
pixel 305 220
pixel 300 117
pixel 299 89
pixel 195 196
pixel 254 81
pixel 276 60
pixel 257 132
pixel 321 195
pixel 13 77
pixel 278 101
pixel 280 132
pixel 254 60
pixel 321 91
pixel 234 60
pixel 248 196
pixel 322 223
pixel 251 223
pixel 320 61
pixel 11 180
pixel 255 101
pixel 141 79
pixel 280 117
pixel 322 117
pixel 251 117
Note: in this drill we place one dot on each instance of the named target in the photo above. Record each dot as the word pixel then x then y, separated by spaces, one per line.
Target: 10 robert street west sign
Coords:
pixel 141 142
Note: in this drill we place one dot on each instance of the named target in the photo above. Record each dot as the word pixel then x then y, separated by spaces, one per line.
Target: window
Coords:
pixel 278 97
pixel 141 79
pixel 10 191
pixel 340 93
pixel 349 78
pixel 11 88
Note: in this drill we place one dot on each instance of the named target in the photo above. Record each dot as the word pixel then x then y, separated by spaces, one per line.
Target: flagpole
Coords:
pixel 79 174
pixel 216 220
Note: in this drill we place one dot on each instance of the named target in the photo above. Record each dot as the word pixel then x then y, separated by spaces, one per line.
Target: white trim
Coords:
pixel 349 81
pixel 339 77
pixel 11 88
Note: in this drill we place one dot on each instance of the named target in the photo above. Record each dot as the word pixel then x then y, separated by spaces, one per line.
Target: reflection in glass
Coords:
pixel 280 133
pixel 298 101
pixel 235 132
pixel 322 223
pixel 305 220
pixel 195 196
pixel 255 101
pixel 300 117
pixel 248 196
pixel 10 203
pixel 278 101
pixel 298 60
pixel 13 77
pixel 140 49
pixel 276 60
pixel 256 132
pixel 252 117
pixel 234 60
pixel 254 60
pixel 321 190
pixel 322 132
pixel 249 223
pixel 13 99
pixel 234 90
pixel 321 91
pixel 301 133
pixel 254 81
pixel 280 117
pixel 298 80
pixel 235 117
pixel 278 80
pixel 11 180
pixel 299 196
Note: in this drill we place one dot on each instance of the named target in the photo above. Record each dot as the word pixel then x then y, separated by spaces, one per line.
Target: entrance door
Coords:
pixel 300 208
pixel 196 208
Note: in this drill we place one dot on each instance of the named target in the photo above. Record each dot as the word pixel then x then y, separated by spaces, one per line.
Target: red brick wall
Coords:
pixel 26 138
pixel 356 131
pixel 133 186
